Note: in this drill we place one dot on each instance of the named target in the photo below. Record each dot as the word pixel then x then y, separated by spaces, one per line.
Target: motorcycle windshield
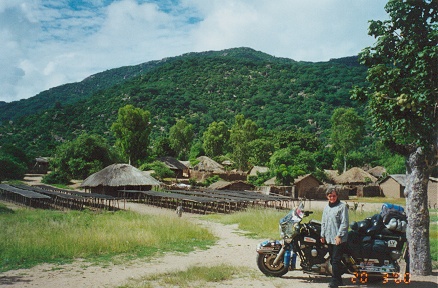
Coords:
pixel 294 215
pixel 300 210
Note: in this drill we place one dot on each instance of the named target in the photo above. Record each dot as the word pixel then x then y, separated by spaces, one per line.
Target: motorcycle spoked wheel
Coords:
pixel 265 262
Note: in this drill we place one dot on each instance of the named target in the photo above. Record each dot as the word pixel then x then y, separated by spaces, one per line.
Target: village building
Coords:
pixel 41 166
pixel 319 192
pixel 180 170
pixel 393 186
pixel 257 169
pixel 432 192
pixel 377 171
pixel 235 185
pixel 358 182
pixel 331 175
pixel 206 164
pixel 207 167
pixel 302 185
pixel 115 177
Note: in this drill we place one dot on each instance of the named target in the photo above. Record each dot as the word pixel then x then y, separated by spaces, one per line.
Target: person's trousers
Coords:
pixel 336 252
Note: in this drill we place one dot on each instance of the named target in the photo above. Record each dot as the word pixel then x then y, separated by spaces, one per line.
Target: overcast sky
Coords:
pixel 46 43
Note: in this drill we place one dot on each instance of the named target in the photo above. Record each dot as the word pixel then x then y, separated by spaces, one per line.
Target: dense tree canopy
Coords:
pixel 403 102
pixel 181 136
pixel 215 139
pixel 242 133
pixel 260 151
pixel 11 168
pixel 161 147
pixel 347 132
pixel 82 157
pixel 132 129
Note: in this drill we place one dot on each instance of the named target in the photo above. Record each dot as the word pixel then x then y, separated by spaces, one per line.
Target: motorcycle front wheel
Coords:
pixel 265 262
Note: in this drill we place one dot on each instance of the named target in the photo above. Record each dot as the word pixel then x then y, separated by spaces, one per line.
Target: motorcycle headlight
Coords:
pixel 288 240
pixel 297 228
pixel 287 230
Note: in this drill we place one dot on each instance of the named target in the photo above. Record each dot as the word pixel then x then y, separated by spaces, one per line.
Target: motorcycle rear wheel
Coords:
pixel 265 262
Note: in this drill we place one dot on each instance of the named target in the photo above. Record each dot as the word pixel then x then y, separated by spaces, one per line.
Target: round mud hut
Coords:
pixel 115 177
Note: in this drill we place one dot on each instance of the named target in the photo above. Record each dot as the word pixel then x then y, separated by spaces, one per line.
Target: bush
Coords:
pixel 56 178
pixel 259 179
pixel 10 169
pixel 83 156
pixel 161 171
pixel 207 182
pixel 211 180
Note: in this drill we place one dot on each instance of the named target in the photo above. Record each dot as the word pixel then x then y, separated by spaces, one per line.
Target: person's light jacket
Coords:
pixel 335 223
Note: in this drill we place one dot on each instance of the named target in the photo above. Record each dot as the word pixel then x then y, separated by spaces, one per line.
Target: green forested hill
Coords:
pixel 72 92
pixel 276 93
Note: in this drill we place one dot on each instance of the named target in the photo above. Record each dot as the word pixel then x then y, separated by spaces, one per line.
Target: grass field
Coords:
pixel 30 237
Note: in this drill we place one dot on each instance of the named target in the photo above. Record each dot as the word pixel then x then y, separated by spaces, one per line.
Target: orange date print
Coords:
pixel 362 278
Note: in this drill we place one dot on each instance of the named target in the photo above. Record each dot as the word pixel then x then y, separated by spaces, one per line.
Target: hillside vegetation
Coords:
pixel 72 92
pixel 276 93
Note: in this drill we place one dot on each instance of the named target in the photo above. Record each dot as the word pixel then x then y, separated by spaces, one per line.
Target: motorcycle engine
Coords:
pixel 314 251
pixel 315 254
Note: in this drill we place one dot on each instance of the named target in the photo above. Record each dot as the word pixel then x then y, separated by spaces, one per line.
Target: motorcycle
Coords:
pixel 374 248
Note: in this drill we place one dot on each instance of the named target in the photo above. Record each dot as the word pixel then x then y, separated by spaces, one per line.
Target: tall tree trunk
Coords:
pixel 345 162
pixel 418 172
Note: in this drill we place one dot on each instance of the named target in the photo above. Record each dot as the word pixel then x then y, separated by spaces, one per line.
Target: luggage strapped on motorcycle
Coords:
pixel 394 217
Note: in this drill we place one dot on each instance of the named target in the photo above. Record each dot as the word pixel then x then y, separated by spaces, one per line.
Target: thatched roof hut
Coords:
pixel 331 175
pixel 235 185
pixel 259 169
pixel 270 182
pixel 355 176
pixel 209 165
pixel 377 171
pixel 119 177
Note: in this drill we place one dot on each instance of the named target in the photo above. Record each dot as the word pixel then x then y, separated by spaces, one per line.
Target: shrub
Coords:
pixel 10 169
pixel 56 178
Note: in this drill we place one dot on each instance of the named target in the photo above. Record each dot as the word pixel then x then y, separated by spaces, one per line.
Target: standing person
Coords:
pixel 334 230
pixel 179 210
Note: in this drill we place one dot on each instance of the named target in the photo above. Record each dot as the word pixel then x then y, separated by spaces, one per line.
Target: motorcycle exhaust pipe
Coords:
pixel 280 256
